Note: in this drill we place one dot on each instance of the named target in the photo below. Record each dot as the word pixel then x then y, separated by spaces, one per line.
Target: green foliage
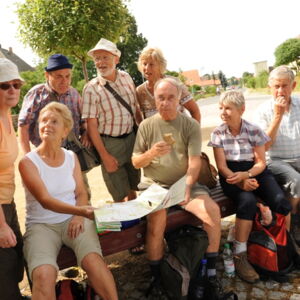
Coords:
pixel 131 48
pixel 172 73
pixel 71 27
pixel 262 79
pixel 31 78
pixel 223 79
pixel 251 83
pixel 210 89
pixel 288 52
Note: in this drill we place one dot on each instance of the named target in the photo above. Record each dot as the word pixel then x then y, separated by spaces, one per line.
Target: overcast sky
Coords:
pixel 207 35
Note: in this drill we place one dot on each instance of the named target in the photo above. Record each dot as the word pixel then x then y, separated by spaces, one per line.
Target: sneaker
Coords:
pixel 243 269
pixel 295 228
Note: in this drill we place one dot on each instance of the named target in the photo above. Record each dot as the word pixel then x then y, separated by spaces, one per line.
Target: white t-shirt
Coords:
pixel 60 184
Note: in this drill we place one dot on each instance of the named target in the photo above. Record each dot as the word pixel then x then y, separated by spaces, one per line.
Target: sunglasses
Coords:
pixel 6 86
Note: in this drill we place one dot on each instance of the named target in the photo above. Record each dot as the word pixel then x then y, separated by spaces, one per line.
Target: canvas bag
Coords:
pixel 187 246
pixel 208 173
pixel 88 157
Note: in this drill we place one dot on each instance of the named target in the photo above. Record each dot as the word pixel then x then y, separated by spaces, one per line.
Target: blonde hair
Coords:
pixel 62 110
pixel 233 97
pixel 154 53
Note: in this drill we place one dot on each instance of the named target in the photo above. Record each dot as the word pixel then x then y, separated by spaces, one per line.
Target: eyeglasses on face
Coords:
pixel 6 86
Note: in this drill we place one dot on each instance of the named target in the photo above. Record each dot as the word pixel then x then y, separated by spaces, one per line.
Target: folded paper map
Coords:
pixel 153 198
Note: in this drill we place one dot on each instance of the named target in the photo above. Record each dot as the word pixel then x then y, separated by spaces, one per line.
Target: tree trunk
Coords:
pixel 84 69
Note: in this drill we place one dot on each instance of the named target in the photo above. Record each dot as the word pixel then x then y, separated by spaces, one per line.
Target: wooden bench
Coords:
pixel 115 242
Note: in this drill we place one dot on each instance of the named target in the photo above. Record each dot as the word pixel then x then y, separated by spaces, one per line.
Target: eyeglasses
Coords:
pixel 6 86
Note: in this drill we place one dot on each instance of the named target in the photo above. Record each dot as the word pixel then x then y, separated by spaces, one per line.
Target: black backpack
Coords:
pixel 187 246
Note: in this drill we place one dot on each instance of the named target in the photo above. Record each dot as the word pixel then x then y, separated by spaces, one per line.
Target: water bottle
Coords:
pixel 228 261
pixel 197 292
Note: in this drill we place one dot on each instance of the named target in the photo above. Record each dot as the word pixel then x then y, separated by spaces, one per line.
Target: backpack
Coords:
pixel 271 250
pixel 69 289
pixel 187 246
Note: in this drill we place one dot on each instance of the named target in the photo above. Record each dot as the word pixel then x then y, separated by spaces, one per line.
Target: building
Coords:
pixel 260 66
pixel 9 54
pixel 192 77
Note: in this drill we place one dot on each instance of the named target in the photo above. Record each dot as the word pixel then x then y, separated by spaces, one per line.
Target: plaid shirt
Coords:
pixel 240 147
pixel 37 98
pixel 287 143
pixel 114 119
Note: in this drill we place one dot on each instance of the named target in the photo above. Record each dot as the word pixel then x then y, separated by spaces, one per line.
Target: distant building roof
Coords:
pixel 22 65
pixel 192 77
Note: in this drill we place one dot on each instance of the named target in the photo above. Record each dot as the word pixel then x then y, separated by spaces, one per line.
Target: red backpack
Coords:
pixel 271 250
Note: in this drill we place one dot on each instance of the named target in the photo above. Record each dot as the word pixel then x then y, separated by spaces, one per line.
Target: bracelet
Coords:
pixel 250 174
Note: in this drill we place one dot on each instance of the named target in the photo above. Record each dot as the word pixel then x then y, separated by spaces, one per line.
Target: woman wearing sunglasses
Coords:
pixel 11 257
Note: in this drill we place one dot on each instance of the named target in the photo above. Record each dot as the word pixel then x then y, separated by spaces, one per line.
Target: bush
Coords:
pixel 262 79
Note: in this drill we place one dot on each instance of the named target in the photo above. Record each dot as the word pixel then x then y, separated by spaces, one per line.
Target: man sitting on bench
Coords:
pixel 168 147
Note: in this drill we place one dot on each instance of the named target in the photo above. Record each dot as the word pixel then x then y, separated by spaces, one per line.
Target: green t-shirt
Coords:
pixel 167 169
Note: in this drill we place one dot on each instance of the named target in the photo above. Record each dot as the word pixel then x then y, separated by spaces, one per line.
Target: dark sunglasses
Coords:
pixel 6 86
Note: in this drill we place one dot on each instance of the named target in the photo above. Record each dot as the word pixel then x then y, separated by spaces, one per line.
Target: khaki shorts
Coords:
pixel 126 178
pixel 42 243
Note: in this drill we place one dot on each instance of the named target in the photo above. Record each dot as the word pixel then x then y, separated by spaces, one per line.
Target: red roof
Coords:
pixel 192 77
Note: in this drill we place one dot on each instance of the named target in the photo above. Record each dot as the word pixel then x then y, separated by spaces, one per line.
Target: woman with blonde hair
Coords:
pixel 152 65
pixel 57 211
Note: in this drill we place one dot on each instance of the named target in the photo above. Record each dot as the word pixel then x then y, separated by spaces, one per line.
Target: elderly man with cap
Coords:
pixel 57 88
pixel 11 243
pixel 110 108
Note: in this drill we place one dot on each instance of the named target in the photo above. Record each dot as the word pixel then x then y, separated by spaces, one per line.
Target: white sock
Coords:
pixel 239 247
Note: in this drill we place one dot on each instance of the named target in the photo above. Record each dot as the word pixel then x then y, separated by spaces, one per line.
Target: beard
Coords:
pixel 106 72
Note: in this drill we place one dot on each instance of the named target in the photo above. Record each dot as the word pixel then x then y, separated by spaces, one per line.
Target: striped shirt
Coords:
pixel 37 98
pixel 287 142
pixel 113 118
pixel 239 147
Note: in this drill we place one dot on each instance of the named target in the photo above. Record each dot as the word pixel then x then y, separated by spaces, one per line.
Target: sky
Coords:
pixel 207 35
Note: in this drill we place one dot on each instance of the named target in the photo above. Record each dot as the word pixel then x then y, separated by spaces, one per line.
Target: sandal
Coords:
pixel 137 250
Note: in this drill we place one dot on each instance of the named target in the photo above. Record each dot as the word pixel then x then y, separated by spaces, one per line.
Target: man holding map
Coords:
pixel 168 147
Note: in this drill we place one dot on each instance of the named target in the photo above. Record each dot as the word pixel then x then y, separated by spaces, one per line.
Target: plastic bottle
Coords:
pixel 198 292
pixel 228 261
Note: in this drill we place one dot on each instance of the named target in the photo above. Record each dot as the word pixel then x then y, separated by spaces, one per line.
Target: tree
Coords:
pixel 71 27
pixel 288 52
pixel 131 48
pixel 223 79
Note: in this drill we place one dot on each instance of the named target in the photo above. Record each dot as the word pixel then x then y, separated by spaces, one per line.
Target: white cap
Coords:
pixel 106 45
pixel 8 70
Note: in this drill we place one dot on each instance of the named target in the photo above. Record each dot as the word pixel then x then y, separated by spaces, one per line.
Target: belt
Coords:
pixel 116 137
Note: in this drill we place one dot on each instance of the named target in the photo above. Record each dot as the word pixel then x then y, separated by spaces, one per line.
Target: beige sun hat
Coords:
pixel 8 71
pixel 106 45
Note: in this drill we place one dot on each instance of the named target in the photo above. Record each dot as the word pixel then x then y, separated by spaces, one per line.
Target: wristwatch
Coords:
pixel 249 174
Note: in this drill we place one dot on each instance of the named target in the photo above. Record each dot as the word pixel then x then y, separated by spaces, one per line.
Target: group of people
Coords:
pixel 57 192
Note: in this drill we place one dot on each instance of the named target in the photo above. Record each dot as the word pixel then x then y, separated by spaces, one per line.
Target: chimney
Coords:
pixel 10 50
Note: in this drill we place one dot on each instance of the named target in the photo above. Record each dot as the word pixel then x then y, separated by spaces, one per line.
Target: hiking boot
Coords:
pixel 295 228
pixel 213 289
pixel 243 268
pixel 156 290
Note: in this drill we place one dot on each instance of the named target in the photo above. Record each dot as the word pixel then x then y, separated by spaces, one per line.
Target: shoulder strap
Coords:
pixel 119 98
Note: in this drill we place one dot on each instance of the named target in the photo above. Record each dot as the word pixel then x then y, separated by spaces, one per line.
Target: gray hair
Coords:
pixel 233 97
pixel 282 72
pixel 154 53
pixel 173 81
